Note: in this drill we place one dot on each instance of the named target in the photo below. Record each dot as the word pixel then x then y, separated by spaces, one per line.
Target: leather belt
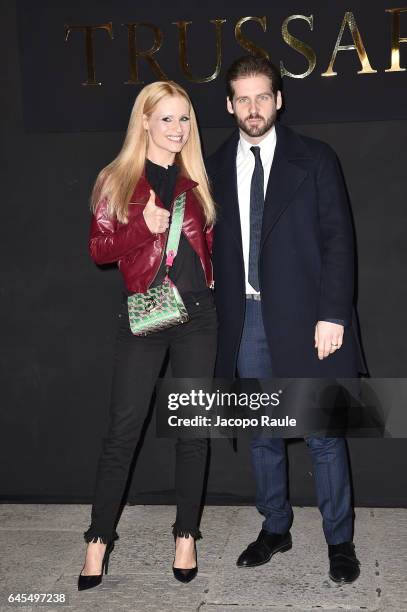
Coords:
pixel 253 296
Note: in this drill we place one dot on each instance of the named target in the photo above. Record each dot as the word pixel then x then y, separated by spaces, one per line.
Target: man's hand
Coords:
pixel 328 338
pixel 156 218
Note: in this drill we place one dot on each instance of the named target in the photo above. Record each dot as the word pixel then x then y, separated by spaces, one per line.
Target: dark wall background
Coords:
pixel 58 312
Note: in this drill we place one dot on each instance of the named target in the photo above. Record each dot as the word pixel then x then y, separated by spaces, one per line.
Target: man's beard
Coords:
pixel 256 130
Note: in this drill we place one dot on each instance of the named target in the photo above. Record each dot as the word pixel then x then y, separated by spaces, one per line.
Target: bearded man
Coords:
pixel 284 285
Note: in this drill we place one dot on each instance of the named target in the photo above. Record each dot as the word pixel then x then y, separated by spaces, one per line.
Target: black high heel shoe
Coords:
pixel 88 582
pixel 185 575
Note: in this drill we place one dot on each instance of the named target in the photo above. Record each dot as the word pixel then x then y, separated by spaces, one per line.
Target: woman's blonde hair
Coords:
pixel 116 182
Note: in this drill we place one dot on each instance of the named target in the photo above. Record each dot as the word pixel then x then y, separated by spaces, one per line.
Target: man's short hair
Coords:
pixel 252 65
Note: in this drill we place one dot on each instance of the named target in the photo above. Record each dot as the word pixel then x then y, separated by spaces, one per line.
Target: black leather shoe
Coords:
pixel 88 582
pixel 185 575
pixel 266 545
pixel 343 563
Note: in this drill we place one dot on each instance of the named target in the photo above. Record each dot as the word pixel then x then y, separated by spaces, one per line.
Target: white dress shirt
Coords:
pixel 244 169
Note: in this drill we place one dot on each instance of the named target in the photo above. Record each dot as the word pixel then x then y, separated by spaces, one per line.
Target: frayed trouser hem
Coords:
pixel 180 532
pixel 91 535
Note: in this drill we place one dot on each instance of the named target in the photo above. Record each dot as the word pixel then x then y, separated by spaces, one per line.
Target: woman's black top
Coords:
pixel 186 272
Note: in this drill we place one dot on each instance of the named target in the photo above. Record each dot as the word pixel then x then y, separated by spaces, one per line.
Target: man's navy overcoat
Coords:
pixel 306 262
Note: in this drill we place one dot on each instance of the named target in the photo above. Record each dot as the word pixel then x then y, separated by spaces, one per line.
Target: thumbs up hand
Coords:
pixel 157 219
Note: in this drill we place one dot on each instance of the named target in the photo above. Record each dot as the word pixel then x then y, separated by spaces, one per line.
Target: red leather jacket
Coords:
pixel 138 251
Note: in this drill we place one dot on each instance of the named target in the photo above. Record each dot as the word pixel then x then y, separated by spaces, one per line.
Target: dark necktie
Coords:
pixel 256 217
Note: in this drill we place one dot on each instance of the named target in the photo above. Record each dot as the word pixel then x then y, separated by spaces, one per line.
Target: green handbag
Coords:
pixel 162 306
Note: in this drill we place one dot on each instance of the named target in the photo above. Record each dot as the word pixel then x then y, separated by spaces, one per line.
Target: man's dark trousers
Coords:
pixel 329 455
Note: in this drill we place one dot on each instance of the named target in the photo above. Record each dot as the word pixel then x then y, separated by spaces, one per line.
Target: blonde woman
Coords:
pixel 132 202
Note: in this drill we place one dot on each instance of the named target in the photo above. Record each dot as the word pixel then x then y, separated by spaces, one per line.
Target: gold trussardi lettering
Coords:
pixel 183 50
pixel 90 56
pixel 150 55
pixel 299 46
pixel 349 20
pixel 395 39
pixel 245 42
pixel 135 53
